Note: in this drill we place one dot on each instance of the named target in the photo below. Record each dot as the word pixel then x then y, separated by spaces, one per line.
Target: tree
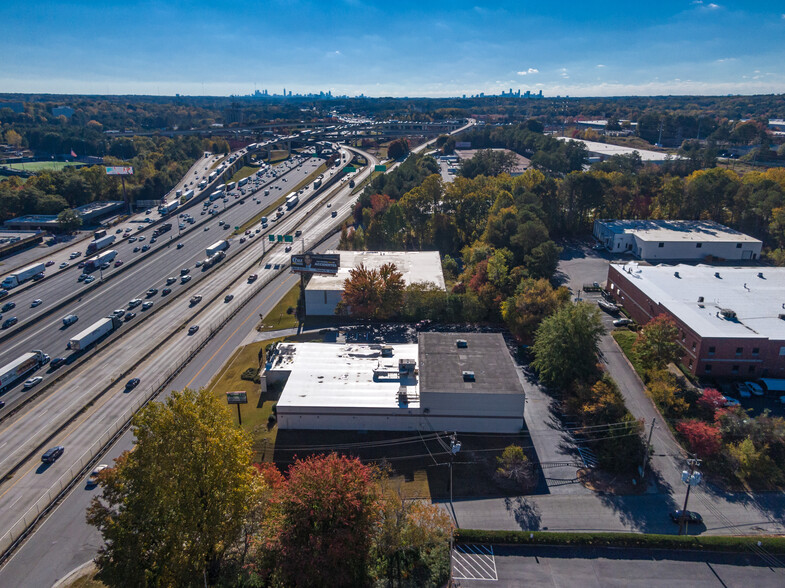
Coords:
pixel 656 344
pixel 702 438
pixel 566 344
pixel 171 508
pixel 532 302
pixel 69 220
pixel 398 149
pixel 542 261
pixel 13 138
pixel 710 401
pixel 321 527
pixel 515 466
pixel 370 293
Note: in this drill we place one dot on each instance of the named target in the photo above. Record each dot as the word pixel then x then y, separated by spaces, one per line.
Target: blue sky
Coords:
pixel 398 48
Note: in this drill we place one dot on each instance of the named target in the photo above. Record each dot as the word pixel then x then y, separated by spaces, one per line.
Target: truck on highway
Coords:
pixel 22 275
pixel 230 186
pixel 242 182
pixel 213 259
pixel 216 195
pixel 168 207
pixel 94 332
pixel 97 244
pixel 317 184
pixel 21 366
pixel 178 194
pixel 161 229
pixel 202 184
pixel 220 188
pixel 292 201
pixel 99 233
pixel 95 262
pixel 188 195
pixel 221 245
pixel 212 176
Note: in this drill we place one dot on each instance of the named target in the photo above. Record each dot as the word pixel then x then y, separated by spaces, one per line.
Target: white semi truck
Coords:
pixel 222 245
pixel 24 274
pixel 20 367
pixel 94 332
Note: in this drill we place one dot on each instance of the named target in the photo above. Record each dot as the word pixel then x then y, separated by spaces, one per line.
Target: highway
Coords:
pixel 155 350
pixel 162 261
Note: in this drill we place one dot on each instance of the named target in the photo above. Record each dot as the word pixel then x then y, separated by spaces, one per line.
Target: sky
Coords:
pixel 399 48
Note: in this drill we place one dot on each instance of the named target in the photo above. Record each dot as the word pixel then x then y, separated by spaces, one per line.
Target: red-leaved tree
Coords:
pixel 710 401
pixel 703 439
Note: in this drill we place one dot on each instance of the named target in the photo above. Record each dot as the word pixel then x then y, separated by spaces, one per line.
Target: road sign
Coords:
pixel 120 171
pixel 288 239
pixel 349 169
pixel 381 168
pixel 280 238
pixel 316 263
pixel 239 397
pixel 272 238
pixel 237 228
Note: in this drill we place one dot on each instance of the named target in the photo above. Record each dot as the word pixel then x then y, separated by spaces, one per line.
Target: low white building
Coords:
pixel 676 240
pixel 464 382
pixel 323 292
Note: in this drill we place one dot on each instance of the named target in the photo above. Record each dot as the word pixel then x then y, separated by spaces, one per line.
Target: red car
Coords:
pixel 118 263
pixel 48 263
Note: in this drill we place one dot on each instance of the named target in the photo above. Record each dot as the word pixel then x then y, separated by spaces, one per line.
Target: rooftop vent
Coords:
pixel 782 317
pixel 728 313
pixel 676 274
pixel 406 365
pixel 716 274
pixel 387 351
pixel 461 344
pixel 700 298
pixel 760 275
pixel 468 376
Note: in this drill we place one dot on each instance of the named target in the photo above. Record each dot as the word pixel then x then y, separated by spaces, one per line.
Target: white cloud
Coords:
pixel 530 71
pixel 600 66
pixel 713 6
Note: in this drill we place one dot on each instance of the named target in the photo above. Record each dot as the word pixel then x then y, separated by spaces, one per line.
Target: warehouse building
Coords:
pixel 463 382
pixel 323 292
pixel 731 319
pixel 675 240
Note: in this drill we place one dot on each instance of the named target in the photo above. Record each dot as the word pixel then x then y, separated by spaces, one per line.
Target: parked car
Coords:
pixel 690 516
pixel 755 389
pixel 51 455
pixel 622 322
pixel 609 307
pixel 730 402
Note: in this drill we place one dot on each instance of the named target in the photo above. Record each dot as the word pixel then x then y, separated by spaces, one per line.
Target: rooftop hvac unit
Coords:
pixel 387 351
pixel 468 376
pixel 760 275
pixel 728 313
pixel 461 344
pixel 676 274
pixel 406 365
pixel 716 274
pixel 700 298
pixel 782 317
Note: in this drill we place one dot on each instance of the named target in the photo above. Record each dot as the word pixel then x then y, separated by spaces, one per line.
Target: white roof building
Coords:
pixel 676 240
pixel 601 151
pixel 323 292
pixel 435 384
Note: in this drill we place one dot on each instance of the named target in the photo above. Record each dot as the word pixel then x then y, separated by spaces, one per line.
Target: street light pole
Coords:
pixel 691 478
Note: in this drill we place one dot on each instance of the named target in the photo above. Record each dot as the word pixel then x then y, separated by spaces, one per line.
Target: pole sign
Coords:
pixel 120 171
pixel 381 168
pixel 316 263
pixel 239 397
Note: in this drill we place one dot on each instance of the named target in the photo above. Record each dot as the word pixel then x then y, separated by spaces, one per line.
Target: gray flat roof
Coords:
pixel 676 230
pixel 608 150
pixel 416 266
pixel 442 364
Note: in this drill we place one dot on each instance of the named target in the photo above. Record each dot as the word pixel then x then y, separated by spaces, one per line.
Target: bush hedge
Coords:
pixel 639 540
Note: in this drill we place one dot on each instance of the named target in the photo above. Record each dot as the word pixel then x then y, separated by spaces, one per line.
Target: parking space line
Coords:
pixel 474 562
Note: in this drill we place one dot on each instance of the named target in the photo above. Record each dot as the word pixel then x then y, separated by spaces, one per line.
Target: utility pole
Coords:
pixel 691 478
pixel 648 449
pixel 455 447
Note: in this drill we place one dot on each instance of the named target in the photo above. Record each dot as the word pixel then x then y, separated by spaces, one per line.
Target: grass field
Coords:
pixel 38 166
pixel 278 156
pixel 278 318
pixel 626 339
pixel 244 172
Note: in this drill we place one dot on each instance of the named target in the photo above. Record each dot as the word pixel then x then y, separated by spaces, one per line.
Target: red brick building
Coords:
pixel 731 320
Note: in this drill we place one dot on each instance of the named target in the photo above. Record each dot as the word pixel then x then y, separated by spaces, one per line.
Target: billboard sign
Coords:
pixel 237 397
pixel 120 171
pixel 463 145
pixel 316 263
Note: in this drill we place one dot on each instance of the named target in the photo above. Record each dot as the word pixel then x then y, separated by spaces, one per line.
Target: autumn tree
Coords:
pixel 710 401
pixel 69 220
pixel 566 344
pixel 171 508
pixel 514 465
pixel 702 438
pixel 532 302
pixel 371 293
pixel 398 148
pixel 656 344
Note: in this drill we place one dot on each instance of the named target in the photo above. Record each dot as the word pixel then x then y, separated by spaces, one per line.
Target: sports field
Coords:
pixel 37 166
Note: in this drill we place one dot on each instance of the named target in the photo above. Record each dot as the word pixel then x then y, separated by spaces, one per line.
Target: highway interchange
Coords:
pixel 150 351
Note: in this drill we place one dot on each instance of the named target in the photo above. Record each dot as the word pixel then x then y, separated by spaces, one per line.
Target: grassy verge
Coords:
pixel 626 339
pixel 37 166
pixel 278 156
pixel 282 200
pixel 639 540
pixel 278 318
pixel 244 172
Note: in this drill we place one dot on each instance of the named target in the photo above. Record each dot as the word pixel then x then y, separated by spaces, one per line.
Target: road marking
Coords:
pixel 474 562
pixel 234 333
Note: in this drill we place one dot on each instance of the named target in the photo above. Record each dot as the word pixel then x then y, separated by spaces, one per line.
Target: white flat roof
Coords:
pixel 416 267
pixel 677 230
pixel 757 301
pixel 607 150
pixel 341 375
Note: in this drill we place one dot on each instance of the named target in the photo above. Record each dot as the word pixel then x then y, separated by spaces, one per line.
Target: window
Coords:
pixel 707 369
pixel 698 245
pixel 751 369
pixel 755 350
pixel 661 245
pixel 712 349
pixel 738 245
pixel 734 369
pixel 690 364
pixel 693 345
pixel 739 350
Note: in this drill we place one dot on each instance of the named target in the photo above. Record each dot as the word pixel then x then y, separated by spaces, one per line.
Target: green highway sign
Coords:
pixel 381 168
pixel 280 238
pixel 349 169
pixel 288 239
pixel 237 228
pixel 272 237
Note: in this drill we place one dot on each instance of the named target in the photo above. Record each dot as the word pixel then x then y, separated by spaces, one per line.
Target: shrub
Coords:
pixel 252 375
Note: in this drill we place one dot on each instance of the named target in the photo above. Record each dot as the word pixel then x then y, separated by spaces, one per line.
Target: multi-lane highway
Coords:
pixel 162 261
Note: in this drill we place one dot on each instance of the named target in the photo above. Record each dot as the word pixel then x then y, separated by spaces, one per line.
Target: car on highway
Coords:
pixel 81 265
pixel 118 263
pixel 196 299
pixel 185 271
pixel 118 231
pixel 141 238
pixel 690 516
pixel 134 303
pixel 137 249
pixel 132 240
pixel 130 315
pixel 132 383
pixel 288 248
pixel 207 228
pixel 10 322
pixel 329 204
pixel 145 248
pixel 193 329
pixel 334 213
pixel 92 479
pixel 242 240
pixel 106 265
pixel 226 226
pixel 52 454
pixel 199 263
pixel 147 304
pixel 153 240
pixel 151 292
pixel 88 279
pixel 64 265
pixel 166 291
pixel 32 382
pixel 252 278
pixel 181 226
pixel 75 254
pixel 180 245
pixel 119 313
pixel 8 306
pixel 57 362
pixel 36 302
pixel 81 278
pixel 3 293
pixel 228 297
pixel 170 280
